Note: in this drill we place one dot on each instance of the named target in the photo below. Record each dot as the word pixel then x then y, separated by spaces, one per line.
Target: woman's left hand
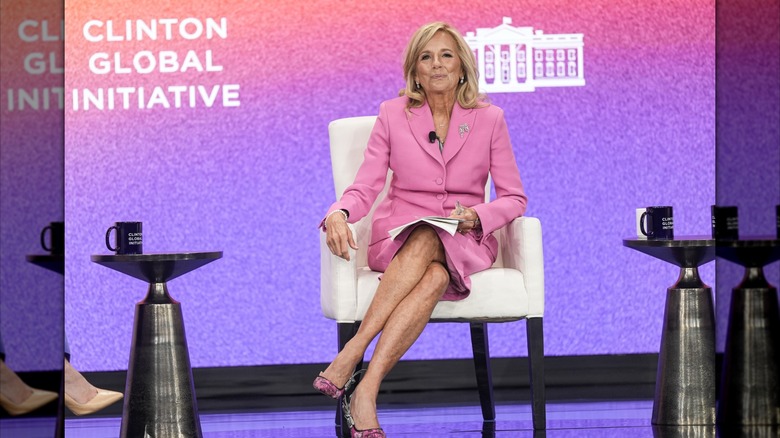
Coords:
pixel 470 219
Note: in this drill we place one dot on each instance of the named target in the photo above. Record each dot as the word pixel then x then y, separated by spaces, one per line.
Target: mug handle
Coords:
pixel 43 237
pixel 108 234
pixel 642 223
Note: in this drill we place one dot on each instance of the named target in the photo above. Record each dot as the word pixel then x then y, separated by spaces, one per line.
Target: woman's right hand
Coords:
pixel 338 236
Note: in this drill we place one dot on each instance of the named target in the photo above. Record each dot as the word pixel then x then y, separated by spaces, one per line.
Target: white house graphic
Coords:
pixel 513 59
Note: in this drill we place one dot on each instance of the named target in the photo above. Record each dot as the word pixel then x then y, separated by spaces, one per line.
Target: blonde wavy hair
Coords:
pixel 467 94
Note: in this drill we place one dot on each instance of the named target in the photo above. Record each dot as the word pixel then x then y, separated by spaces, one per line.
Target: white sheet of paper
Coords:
pixel 447 224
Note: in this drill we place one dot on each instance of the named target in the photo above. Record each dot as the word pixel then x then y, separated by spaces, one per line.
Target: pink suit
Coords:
pixel 427 182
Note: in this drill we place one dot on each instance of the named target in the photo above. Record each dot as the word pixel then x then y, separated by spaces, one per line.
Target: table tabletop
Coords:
pixel 683 251
pixel 156 267
pixel 694 240
pixel 157 256
pixel 52 262
pixel 750 251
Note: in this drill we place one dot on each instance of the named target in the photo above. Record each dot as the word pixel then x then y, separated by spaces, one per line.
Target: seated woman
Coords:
pixel 441 138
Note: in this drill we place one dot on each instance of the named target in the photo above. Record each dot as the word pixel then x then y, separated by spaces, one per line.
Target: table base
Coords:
pixel 159 392
pixel 685 382
pixel 750 385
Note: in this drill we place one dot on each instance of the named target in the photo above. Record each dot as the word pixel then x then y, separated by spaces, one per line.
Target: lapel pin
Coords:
pixel 462 129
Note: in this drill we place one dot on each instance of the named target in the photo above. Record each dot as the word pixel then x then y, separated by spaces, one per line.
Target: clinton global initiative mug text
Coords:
pixel 128 239
pixel 657 223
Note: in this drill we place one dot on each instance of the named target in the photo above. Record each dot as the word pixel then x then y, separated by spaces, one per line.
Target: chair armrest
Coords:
pixel 338 283
pixel 521 249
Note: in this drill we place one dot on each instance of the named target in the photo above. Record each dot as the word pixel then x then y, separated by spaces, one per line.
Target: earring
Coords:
pixel 417 85
pixel 461 79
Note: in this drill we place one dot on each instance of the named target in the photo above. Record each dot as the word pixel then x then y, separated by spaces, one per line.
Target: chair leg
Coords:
pixel 535 337
pixel 346 331
pixel 479 343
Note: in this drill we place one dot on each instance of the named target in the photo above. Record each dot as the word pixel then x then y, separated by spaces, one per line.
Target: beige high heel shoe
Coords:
pixel 103 399
pixel 37 399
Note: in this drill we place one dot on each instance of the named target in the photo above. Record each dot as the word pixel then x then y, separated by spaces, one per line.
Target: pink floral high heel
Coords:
pixel 368 433
pixel 354 432
pixel 328 388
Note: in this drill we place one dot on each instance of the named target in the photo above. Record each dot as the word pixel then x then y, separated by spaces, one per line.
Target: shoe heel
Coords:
pixel 352 382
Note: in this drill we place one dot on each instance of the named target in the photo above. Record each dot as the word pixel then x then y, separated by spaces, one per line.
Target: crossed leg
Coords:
pixel 411 286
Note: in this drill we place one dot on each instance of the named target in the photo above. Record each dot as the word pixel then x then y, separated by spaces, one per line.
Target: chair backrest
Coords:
pixel 348 140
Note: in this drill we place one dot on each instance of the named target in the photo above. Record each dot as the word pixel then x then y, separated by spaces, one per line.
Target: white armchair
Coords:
pixel 512 289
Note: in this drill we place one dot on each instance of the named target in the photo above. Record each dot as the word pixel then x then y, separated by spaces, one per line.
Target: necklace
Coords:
pixel 441 129
pixel 442 125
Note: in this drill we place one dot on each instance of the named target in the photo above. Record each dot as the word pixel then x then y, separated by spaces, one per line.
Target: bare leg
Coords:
pixel 16 397
pixel 403 274
pixel 83 398
pixel 77 386
pixel 401 331
pixel 12 386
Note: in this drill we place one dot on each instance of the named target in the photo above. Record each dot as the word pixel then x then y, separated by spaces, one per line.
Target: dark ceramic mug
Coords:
pixel 128 239
pixel 725 222
pixel 57 233
pixel 657 223
pixel 777 216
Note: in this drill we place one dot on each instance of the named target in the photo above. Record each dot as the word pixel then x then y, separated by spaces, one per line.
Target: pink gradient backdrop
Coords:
pixel 254 180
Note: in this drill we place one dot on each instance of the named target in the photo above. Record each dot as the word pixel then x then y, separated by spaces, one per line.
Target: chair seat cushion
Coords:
pixel 497 294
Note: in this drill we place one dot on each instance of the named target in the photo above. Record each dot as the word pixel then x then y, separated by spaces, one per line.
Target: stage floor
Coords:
pixel 570 419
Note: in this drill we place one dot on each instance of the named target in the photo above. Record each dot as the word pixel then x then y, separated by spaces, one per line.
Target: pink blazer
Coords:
pixel 428 182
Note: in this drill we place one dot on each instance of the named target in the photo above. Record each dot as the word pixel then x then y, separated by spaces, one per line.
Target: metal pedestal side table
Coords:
pixel 750 381
pixel 159 392
pixel 685 381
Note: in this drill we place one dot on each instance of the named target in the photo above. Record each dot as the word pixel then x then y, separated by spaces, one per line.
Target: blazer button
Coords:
pixel 439 181
pixel 440 196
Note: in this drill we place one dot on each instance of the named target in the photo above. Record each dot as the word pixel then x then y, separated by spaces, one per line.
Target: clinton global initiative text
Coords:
pixel 166 97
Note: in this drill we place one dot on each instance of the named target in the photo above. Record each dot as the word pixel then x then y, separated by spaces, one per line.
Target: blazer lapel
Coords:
pixel 461 125
pixel 421 124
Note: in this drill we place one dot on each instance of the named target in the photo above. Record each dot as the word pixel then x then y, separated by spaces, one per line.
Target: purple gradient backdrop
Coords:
pixel 31 191
pixel 748 130
pixel 254 181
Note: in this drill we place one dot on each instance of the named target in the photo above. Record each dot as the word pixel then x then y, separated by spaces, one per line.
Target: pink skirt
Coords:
pixel 465 256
